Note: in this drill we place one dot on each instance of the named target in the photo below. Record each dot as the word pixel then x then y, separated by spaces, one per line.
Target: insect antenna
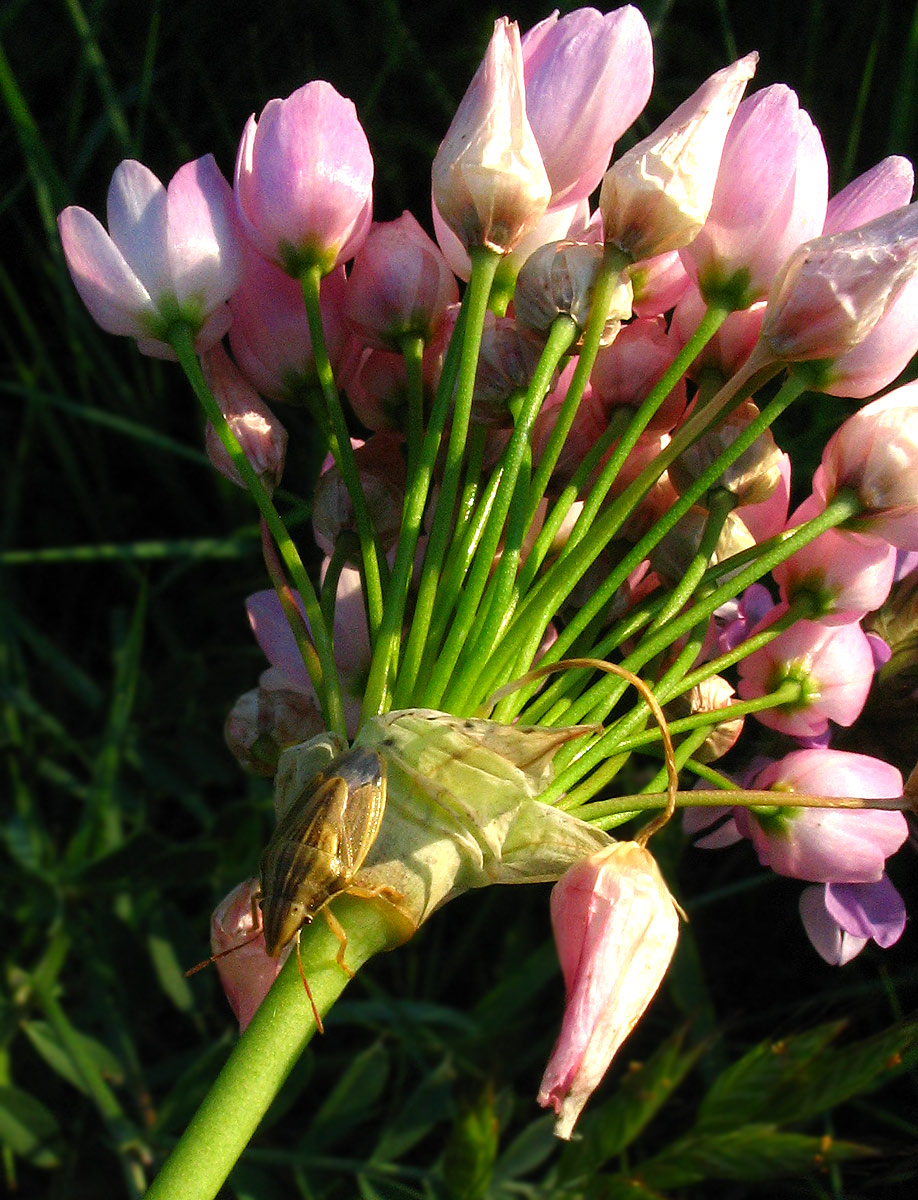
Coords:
pixel 253 936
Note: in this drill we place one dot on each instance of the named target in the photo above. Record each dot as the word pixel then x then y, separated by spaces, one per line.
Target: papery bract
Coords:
pixel 304 179
pixel 172 255
pixel 615 929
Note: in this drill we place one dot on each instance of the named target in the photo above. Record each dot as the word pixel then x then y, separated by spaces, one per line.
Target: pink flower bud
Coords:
pixel 874 454
pixel 171 255
pixel 304 179
pixel 351 639
pixel 247 973
pixel 825 845
pixel 269 335
pixel 489 181
pixel 588 76
pixel 376 383
pixel 888 347
pixel 399 284
pixel 615 928
pixel 659 283
pixel 258 431
pixel 730 346
pixel 771 194
pixel 629 368
pixel 832 290
pixel 657 196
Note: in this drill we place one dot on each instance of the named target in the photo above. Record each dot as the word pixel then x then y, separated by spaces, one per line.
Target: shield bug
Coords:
pixel 320 842
pixel 318 846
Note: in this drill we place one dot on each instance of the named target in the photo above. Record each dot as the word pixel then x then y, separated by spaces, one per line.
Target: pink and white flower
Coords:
pixel 171 255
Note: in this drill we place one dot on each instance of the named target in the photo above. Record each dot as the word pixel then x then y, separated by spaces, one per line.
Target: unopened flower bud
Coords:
pixel 833 290
pixel 615 928
pixel 304 179
pixel 382 475
pixel 247 973
pixel 489 181
pixel 711 695
pixel 266 720
pixel 751 478
pixel 399 284
pixel 258 431
pixel 671 557
pixel 506 365
pixel 560 279
pixel 657 196
pixel 874 454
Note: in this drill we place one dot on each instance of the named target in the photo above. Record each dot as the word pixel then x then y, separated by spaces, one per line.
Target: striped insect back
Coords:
pixel 320 843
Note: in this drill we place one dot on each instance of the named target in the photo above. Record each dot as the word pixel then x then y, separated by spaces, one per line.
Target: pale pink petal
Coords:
pixel 108 287
pixel 138 224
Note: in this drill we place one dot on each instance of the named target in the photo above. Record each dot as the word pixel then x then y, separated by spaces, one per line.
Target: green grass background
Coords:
pixel 125 563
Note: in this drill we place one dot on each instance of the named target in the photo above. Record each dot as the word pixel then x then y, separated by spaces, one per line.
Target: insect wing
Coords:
pixel 320 842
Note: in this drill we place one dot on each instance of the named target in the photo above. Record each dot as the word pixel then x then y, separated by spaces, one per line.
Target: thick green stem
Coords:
pixel 327 685
pixel 266 1053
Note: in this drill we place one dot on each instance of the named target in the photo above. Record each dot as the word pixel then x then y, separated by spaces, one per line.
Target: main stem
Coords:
pixel 266 1053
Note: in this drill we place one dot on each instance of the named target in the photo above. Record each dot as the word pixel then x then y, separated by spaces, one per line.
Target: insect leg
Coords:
pixel 338 930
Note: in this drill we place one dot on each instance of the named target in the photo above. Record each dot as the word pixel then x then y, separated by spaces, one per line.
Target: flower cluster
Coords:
pixel 543 445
